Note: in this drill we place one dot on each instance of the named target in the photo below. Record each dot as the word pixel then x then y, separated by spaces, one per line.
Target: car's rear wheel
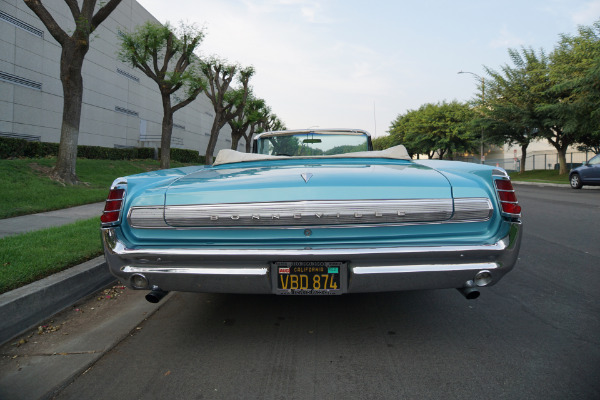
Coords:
pixel 575 181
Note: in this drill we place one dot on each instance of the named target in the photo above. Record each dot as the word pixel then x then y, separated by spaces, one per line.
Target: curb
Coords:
pixel 547 184
pixel 26 307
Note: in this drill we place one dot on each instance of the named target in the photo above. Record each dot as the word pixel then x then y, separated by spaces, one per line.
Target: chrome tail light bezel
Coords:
pixel 114 203
pixel 507 198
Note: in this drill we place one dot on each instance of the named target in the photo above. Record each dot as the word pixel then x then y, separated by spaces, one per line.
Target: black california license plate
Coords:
pixel 309 278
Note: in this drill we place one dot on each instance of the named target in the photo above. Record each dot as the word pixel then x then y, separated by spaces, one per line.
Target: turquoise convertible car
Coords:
pixel 313 212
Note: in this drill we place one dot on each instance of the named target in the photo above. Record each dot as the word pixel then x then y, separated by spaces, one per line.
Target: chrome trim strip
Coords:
pixel 197 271
pixel 204 254
pixel 399 269
pixel 356 132
pixel 318 213
pixel 294 213
pixel 501 172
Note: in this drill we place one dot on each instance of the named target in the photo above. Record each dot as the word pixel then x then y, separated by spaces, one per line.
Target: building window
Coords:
pixel 20 24
pixel 126 111
pixel 128 75
pixel 17 80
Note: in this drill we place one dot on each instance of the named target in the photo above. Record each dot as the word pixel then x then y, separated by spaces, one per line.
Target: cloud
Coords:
pixel 587 14
pixel 506 39
pixel 310 11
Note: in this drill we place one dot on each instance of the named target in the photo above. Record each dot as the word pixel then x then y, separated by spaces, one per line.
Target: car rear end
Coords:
pixel 314 227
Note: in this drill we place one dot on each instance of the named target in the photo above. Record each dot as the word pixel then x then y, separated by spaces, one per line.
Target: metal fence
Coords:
pixel 536 161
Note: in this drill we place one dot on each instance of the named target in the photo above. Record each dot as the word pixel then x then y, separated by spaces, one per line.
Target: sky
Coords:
pixel 360 64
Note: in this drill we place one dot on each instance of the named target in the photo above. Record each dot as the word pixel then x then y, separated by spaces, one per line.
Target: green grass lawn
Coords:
pixel 540 175
pixel 31 256
pixel 26 189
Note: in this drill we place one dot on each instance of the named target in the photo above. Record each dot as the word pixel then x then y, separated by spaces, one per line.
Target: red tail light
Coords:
pixel 113 206
pixel 507 196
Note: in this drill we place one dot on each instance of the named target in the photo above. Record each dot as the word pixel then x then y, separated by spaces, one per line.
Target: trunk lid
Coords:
pixel 309 180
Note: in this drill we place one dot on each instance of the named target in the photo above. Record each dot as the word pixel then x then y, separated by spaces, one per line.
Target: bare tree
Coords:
pixel 74 48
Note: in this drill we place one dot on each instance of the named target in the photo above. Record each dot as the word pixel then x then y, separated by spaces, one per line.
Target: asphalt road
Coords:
pixel 535 335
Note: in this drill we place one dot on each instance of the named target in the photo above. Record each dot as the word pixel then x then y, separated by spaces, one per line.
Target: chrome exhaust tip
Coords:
pixel 470 293
pixel 156 295
pixel 470 290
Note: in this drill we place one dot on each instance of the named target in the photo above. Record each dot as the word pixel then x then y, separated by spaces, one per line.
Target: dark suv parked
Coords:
pixel 587 174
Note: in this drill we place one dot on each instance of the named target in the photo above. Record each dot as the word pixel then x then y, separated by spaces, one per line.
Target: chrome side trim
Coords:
pixel 197 271
pixel 312 213
pixel 399 269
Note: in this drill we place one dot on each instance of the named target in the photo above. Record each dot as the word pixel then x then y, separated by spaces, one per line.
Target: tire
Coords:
pixel 575 181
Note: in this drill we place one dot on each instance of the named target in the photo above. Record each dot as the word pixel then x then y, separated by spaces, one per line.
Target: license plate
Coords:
pixel 309 278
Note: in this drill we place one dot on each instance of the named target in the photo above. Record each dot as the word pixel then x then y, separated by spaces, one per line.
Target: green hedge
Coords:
pixel 22 148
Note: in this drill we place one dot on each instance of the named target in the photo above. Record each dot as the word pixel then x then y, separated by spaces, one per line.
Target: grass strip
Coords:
pixel 31 256
pixel 27 189
pixel 540 175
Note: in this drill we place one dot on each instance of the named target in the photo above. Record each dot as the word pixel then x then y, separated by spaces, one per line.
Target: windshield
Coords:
pixel 595 160
pixel 312 144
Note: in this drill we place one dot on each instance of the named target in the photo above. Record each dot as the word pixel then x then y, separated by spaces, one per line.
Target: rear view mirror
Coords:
pixel 311 141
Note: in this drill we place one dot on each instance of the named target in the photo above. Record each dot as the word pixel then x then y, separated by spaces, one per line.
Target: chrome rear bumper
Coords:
pixel 369 269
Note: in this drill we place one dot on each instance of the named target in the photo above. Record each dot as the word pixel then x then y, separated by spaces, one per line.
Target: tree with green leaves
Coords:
pixel 166 55
pixel 442 128
pixel 385 142
pixel 227 102
pixel 272 123
pixel 254 113
pixel 572 113
pixel 589 89
pixel 261 115
pixel 74 47
pixel 413 142
pixel 511 114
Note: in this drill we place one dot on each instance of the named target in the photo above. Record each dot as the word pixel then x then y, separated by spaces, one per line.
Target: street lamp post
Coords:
pixel 481 156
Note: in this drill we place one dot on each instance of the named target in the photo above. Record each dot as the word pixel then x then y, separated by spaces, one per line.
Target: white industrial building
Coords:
pixel 121 106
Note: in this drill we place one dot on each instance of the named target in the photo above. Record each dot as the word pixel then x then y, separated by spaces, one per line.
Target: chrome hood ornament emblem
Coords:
pixel 306 176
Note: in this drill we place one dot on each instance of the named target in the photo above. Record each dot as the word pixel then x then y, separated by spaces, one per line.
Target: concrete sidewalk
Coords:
pixel 51 364
pixel 49 359
pixel 34 222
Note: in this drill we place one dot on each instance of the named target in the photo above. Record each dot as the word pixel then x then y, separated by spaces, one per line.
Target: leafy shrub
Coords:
pixel 11 148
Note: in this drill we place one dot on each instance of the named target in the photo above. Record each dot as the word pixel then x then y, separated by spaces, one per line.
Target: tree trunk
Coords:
pixel 167 131
pixel 248 145
pixel 562 160
pixel 70 75
pixel 235 140
pixel 523 157
pixel 212 142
